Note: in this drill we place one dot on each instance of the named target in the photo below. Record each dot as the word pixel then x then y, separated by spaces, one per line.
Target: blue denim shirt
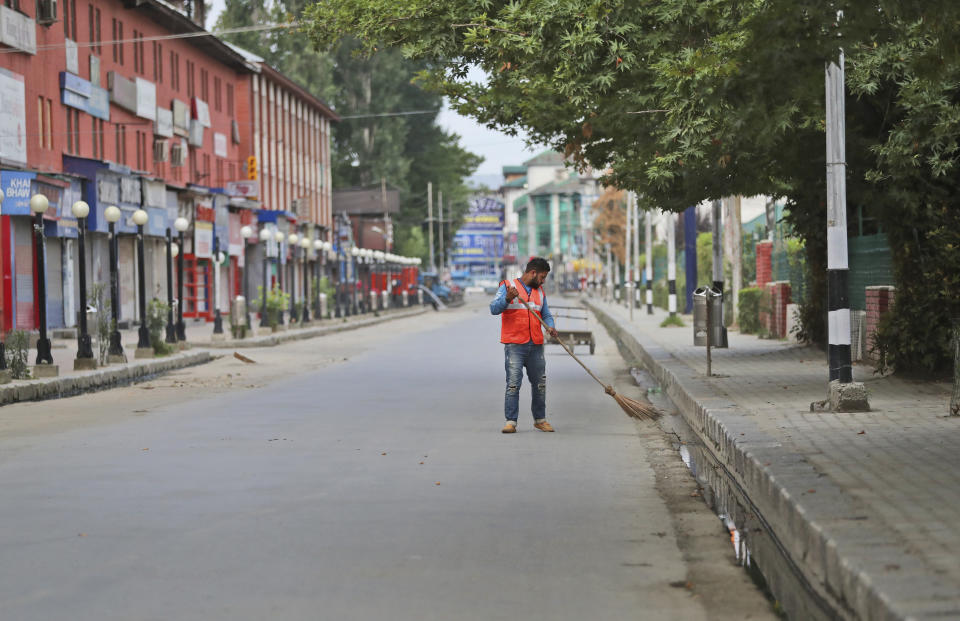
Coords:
pixel 499 304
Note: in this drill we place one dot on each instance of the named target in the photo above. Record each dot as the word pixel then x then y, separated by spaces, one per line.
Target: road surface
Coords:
pixel 357 476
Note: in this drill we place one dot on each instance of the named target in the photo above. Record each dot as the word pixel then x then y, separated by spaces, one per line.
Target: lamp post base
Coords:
pixel 46 370
pixel 217 322
pixel 143 337
pixel 115 352
pixel 181 331
pixel 84 347
pixel 44 356
pixel 171 334
pixel 144 352
pixel 84 364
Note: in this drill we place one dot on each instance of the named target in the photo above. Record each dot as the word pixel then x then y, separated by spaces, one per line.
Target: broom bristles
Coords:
pixel 636 409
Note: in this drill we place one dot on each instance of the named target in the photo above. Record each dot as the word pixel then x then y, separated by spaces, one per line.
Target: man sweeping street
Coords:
pixel 522 338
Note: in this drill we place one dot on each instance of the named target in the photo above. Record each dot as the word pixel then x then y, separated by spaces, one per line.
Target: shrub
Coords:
pixel 672 321
pixel 748 311
pixel 101 301
pixel 18 349
pixel 156 325
pixel 277 302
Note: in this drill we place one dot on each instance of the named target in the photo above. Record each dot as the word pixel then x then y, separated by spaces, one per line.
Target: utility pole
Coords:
pixel 649 267
pixel 733 234
pixel 717 248
pixel 433 263
pixel 671 263
pixel 636 253
pixel 443 260
pixel 844 394
pixel 627 275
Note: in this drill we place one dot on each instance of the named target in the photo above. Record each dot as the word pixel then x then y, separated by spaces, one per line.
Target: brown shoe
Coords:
pixel 509 427
pixel 543 425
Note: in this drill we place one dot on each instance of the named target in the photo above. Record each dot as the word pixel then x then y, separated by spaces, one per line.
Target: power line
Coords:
pixel 182 35
pixel 381 114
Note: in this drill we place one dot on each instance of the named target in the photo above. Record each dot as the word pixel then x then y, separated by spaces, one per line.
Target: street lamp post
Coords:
pixel 144 350
pixel 181 224
pixel 218 258
pixel 115 351
pixel 318 267
pixel 3 347
pixel 354 254
pixel 293 239
pixel 278 237
pixel 39 204
pixel 305 250
pixel 171 333
pixel 246 232
pixel 265 237
pixel 84 359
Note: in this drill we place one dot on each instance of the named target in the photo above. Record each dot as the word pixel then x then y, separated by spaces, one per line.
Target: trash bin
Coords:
pixel 718 336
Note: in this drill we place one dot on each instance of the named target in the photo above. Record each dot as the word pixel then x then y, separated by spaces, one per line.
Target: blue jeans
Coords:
pixel 516 357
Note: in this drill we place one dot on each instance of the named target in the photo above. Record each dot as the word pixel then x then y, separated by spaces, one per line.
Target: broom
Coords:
pixel 631 407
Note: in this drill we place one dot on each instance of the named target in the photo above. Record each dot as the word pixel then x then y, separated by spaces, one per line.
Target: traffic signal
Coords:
pixel 252 167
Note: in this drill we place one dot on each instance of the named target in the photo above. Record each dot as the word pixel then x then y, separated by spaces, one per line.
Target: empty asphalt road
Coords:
pixel 356 476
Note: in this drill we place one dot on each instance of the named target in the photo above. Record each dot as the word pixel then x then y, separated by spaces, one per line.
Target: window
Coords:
pixel 49 125
pixel 230 99
pixel 219 183
pixel 120 37
pixel 96 139
pixel 116 53
pixel 139 53
pixel 73 131
pixel 216 95
pixel 191 85
pixel 12 4
pixel 98 39
pixel 136 58
pixel 40 131
pixel 204 91
pixel 174 71
pixel 91 24
pixel 121 144
pixel 159 60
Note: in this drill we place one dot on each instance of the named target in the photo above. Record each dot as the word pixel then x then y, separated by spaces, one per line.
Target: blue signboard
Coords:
pixel 16 192
pixel 82 95
pixel 485 214
pixel 477 247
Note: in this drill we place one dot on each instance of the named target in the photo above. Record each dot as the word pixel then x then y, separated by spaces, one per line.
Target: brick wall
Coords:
pixel 879 300
pixel 764 262
pixel 778 296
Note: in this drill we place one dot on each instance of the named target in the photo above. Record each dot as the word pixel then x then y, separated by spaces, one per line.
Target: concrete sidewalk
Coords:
pixel 201 348
pixel 861 507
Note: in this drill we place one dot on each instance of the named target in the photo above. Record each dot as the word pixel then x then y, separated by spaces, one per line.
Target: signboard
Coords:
pixel 123 92
pixel 82 95
pixel 130 190
pixel 219 144
pixel 16 191
pixel 73 57
pixel 157 222
pixel 13 117
pixel 181 118
pixel 485 214
pixel 108 189
pixel 203 239
pixel 249 189
pixel 477 247
pixel 196 134
pixel 17 30
pixel 201 112
pixel 480 239
pixel 146 99
pixel 235 241
pixel 164 125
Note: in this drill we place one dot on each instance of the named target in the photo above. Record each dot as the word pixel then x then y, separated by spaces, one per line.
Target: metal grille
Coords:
pixel 858 334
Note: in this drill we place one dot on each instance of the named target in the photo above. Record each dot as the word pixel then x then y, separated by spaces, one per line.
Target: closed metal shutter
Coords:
pixel 54 290
pixel 23 274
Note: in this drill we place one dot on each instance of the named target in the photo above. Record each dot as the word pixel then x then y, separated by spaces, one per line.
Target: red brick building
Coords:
pixel 124 104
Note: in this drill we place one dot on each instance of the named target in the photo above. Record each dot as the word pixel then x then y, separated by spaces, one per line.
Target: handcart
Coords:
pixel 572 336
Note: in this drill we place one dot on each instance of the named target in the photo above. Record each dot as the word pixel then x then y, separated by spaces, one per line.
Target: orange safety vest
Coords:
pixel 516 324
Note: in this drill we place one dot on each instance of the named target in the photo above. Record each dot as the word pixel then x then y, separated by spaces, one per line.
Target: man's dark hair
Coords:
pixel 538 264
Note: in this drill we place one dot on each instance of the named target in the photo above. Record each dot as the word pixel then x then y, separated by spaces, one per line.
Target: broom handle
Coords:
pixel 564 345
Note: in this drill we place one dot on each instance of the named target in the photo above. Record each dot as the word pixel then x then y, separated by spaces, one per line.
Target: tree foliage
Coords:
pixel 687 100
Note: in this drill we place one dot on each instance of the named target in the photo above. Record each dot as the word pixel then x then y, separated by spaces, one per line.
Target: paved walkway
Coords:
pixel 874 496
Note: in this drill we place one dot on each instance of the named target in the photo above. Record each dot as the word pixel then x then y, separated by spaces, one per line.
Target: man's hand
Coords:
pixel 511 293
pixel 553 332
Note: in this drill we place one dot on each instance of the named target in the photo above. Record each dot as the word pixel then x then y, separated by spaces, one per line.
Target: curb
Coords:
pixel 101 379
pixel 806 569
pixel 297 334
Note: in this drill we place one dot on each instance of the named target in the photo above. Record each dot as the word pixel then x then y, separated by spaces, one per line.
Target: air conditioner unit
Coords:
pixel 178 155
pixel 160 150
pixel 46 12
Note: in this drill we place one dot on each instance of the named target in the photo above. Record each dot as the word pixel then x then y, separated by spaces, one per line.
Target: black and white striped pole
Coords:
pixel 636 252
pixel 649 267
pixel 671 263
pixel 844 394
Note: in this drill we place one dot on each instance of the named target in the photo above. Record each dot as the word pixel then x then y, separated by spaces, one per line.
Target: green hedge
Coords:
pixel 748 311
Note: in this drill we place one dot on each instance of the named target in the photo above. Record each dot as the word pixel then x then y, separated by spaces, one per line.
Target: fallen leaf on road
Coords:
pixel 147 387
pixel 421 463
pixel 146 449
pixel 140 411
pixel 438 482
pixel 811 491
pixel 383 453
pixel 861 432
pixel 81 534
pixel 243 358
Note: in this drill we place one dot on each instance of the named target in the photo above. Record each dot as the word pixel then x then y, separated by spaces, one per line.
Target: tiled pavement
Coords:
pixel 889 479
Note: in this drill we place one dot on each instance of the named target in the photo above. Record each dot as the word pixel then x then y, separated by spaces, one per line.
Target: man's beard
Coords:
pixel 534 285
